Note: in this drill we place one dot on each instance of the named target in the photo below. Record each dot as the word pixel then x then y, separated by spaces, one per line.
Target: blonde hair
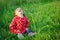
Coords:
pixel 17 9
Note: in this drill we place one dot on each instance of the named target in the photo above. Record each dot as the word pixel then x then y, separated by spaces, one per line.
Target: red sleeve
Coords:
pixel 12 26
pixel 26 23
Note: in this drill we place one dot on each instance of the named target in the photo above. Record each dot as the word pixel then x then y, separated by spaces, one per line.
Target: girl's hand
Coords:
pixel 26 29
pixel 18 31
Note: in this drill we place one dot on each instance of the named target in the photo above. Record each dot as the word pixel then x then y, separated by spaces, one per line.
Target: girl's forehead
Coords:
pixel 18 9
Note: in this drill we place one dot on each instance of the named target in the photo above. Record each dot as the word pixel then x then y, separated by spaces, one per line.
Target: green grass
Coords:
pixel 43 16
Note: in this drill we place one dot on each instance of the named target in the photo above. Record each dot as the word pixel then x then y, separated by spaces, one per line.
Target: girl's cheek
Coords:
pixel 17 12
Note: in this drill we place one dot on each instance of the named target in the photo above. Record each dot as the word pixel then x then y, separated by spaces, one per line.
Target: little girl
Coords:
pixel 19 24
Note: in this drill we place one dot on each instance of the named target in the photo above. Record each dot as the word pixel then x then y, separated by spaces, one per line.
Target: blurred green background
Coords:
pixel 43 16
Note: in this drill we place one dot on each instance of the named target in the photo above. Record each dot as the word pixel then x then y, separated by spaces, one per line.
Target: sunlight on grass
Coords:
pixel 43 17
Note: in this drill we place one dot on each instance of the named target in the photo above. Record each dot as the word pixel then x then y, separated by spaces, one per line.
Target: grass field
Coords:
pixel 43 16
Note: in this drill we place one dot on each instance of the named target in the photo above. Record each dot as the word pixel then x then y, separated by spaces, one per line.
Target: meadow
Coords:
pixel 43 16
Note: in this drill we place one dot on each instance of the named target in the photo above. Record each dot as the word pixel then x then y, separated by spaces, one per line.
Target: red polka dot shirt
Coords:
pixel 18 24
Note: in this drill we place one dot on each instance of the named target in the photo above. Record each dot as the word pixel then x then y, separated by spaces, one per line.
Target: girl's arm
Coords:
pixel 26 23
pixel 12 27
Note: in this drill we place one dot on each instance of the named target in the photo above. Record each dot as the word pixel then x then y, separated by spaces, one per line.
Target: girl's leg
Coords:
pixel 30 33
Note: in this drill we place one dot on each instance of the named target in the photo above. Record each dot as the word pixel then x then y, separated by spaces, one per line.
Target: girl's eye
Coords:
pixel 19 11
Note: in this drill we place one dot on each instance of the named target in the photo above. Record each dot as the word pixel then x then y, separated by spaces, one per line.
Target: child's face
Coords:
pixel 19 11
